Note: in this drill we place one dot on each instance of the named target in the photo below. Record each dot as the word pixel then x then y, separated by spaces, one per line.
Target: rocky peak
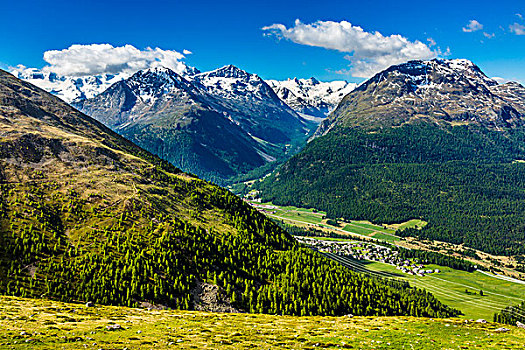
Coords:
pixel 438 90
pixel 229 71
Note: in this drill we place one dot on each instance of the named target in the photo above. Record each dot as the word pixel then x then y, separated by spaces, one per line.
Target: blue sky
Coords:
pixel 230 32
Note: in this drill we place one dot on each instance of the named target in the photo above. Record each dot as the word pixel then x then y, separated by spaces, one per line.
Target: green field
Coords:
pixel 305 216
pixel 450 286
pixel 44 324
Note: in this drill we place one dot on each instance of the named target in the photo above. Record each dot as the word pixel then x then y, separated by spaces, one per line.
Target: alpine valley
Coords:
pixel 432 140
pixel 400 198
pixel 87 215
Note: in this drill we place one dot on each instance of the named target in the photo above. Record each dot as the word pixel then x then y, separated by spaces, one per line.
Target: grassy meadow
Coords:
pixel 44 324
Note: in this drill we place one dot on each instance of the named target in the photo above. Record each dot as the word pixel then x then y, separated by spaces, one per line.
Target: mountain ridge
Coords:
pixel 217 125
pixel 310 97
pixel 444 90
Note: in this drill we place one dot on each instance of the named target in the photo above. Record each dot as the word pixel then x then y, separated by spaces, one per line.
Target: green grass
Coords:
pixel 358 229
pixel 311 216
pixel 385 237
pixel 409 224
pixel 43 324
pixel 449 287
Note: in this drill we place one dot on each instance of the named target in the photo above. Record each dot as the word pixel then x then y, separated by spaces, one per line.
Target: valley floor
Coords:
pixel 44 324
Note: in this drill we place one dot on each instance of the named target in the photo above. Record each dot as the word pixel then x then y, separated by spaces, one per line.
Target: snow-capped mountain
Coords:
pixel 216 124
pixel 69 89
pixel 452 91
pixel 310 97
pixel 76 89
pixel 253 104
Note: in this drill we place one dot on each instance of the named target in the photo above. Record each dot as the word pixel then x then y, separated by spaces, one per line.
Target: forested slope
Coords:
pixel 462 180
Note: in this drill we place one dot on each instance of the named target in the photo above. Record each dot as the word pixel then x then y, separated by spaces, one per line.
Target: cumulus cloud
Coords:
pixel 517 29
pixel 186 52
pixel 369 52
pixel 489 35
pixel 94 59
pixel 472 26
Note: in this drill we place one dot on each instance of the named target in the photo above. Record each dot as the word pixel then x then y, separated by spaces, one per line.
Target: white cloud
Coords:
pixel 431 42
pixel 187 52
pixel 520 16
pixel 370 52
pixel 472 26
pixel 489 35
pixel 517 29
pixel 94 59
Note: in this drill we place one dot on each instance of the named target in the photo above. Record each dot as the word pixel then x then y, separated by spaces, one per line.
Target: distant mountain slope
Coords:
pixel 216 124
pixel 310 97
pixel 86 215
pixel 436 140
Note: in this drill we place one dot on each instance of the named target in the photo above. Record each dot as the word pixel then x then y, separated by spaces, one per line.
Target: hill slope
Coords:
pixel 87 215
pixel 435 140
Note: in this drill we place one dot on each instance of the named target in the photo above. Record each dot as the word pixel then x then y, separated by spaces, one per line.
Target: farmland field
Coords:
pixel 304 217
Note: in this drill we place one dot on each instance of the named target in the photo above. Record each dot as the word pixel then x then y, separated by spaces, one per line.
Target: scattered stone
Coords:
pixel 349 315
pixel 138 332
pixel 23 333
pixel 113 327
pixel 90 304
pixel 481 321
pixel 520 325
pixel 502 330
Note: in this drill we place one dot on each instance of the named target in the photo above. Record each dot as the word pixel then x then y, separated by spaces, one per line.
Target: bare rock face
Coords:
pixel 444 91
pixel 209 297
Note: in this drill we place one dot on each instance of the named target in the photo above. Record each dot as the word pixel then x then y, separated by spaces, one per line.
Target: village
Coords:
pixel 367 251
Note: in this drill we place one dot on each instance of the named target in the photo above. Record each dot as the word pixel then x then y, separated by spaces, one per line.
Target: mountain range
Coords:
pixel 435 140
pixel 86 215
pixel 454 91
pixel 218 125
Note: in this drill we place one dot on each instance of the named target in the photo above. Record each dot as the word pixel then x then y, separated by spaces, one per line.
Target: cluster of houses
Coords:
pixel 367 251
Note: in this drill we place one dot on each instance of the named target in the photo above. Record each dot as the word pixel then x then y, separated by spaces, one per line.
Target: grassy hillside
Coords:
pixel 36 324
pixel 462 180
pixel 86 215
